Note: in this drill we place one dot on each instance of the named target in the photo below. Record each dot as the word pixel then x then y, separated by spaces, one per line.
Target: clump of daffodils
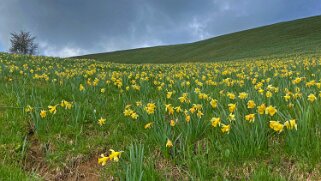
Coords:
pixel 129 112
pixel 113 156
pixel 150 108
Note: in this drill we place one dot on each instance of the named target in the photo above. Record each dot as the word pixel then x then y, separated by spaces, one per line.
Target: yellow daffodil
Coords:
pixel 231 107
pixel 184 98
pixel 134 115
pixel 169 143
pixel 81 87
pixel 169 95
pixel 192 110
pixel 103 160
pixel 101 121
pixel 250 118
pixel 199 114
pixel 276 126
pixel 268 94
pixel 312 97
pixel 178 109
pixel 53 109
pixel 261 109
pixel 150 108
pixel 231 117
pixel 28 108
pixel 43 113
pixel 128 112
pixel 216 121
pixel 172 123
pixel 225 128
pixel 169 108
pixel 251 104
pixel 115 155
pixel 291 124
pixel 243 95
pixel 197 90
pixel 270 110
pixel 297 80
pixel 231 95
pixel 148 125
pixel 187 118
pixel 287 97
pixel 139 103
pixel 213 103
pixel 66 104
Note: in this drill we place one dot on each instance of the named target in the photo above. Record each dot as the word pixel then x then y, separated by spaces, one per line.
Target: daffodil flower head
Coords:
pixel 53 109
pixel 148 125
pixel 276 126
pixel 115 155
pixel 103 160
pixel 169 143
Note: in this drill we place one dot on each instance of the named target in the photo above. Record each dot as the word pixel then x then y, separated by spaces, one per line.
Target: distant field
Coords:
pixel 66 119
pixel 297 37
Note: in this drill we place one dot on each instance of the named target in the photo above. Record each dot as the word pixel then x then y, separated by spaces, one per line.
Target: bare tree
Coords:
pixel 23 43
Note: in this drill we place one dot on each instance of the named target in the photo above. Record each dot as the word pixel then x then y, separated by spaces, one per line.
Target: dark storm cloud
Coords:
pixel 73 27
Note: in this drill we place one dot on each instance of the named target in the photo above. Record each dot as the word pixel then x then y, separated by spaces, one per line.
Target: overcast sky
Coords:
pixel 75 27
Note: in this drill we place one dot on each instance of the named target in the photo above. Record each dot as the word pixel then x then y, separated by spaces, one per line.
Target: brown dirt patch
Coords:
pixel 166 167
pixel 78 168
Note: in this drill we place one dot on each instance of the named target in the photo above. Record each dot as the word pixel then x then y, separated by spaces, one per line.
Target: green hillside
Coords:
pixel 294 37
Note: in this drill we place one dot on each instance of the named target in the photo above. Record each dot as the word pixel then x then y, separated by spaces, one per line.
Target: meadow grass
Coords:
pixel 173 122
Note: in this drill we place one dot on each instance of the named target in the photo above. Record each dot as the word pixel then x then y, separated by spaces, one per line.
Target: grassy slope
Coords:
pixel 69 142
pixel 293 37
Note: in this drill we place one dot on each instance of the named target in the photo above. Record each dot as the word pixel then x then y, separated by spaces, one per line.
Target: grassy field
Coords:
pixel 240 120
pixel 280 40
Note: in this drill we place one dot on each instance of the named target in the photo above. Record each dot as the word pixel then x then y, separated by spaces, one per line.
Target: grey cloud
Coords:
pixel 73 27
